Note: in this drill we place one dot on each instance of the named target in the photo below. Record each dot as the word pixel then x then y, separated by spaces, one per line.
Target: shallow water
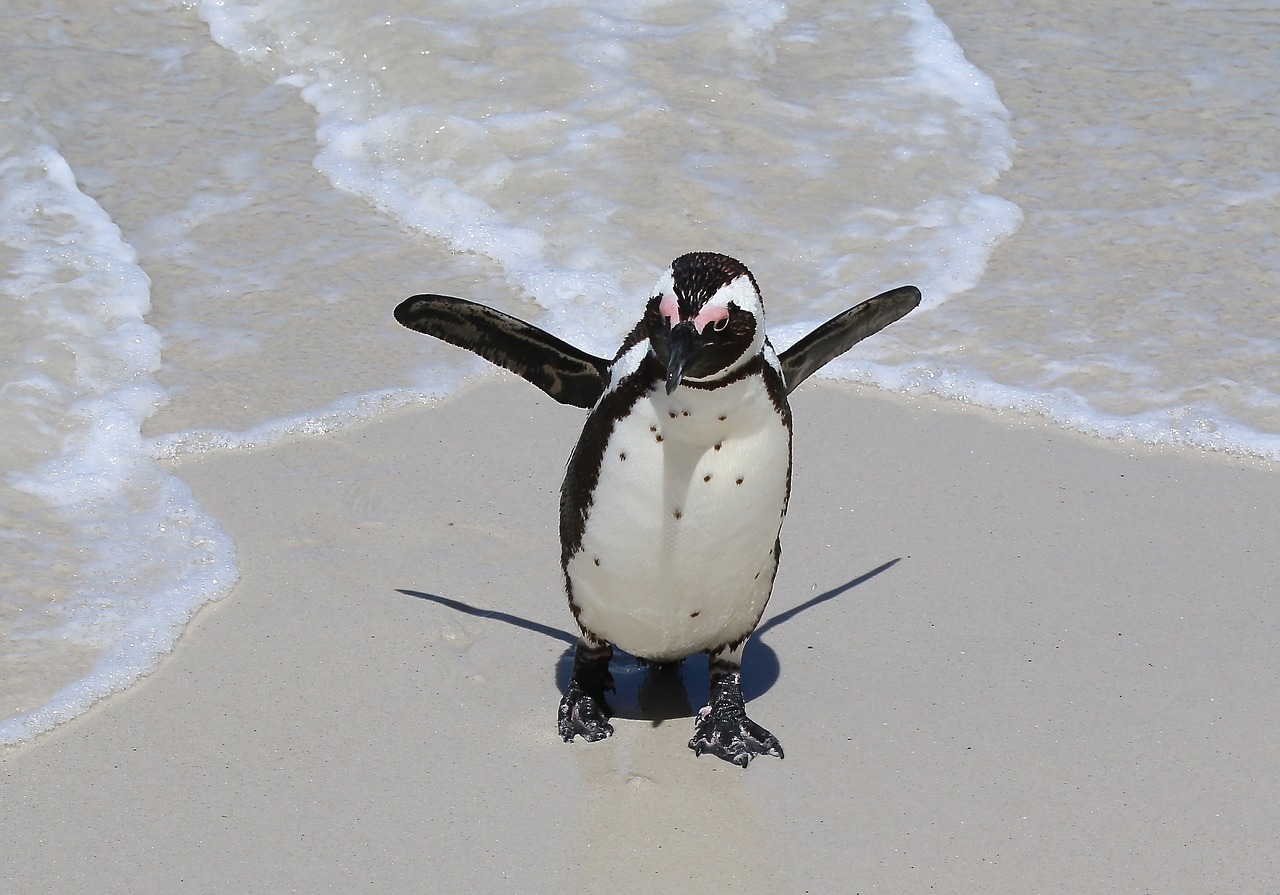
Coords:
pixel 211 208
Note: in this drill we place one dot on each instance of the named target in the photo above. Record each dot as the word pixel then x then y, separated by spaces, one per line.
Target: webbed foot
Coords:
pixel 723 728
pixel 584 711
pixel 583 714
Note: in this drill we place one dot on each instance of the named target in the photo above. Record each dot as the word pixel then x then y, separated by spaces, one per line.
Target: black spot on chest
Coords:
pixel 583 471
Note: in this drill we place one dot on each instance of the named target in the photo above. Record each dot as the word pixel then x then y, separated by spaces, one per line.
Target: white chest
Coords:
pixel 678 548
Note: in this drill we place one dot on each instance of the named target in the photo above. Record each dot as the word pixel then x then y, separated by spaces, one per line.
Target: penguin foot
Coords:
pixel 724 730
pixel 583 710
pixel 583 714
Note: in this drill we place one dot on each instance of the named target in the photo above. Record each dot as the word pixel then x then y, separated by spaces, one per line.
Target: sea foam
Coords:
pixel 137 557
pixel 525 166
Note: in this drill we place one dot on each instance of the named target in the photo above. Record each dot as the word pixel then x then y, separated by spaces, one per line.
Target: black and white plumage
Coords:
pixel 676 491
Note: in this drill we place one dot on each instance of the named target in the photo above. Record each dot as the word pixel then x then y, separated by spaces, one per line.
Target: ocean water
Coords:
pixel 210 209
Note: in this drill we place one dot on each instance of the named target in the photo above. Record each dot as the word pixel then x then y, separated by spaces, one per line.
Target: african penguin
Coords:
pixel 675 493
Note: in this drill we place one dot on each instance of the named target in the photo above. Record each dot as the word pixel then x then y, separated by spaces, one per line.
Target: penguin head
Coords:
pixel 706 318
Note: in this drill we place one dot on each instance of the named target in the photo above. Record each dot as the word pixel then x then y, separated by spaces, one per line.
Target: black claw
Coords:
pixel 723 729
pixel 584 711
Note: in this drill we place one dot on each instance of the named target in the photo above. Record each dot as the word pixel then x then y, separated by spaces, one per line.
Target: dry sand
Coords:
pixel 1065 680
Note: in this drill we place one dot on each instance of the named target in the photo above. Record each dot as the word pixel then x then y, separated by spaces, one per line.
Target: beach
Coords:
pixel 1063 681
pixel 1002 656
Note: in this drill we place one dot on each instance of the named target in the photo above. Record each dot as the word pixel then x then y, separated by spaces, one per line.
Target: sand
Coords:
pixel 1064 679
pixel 1002 657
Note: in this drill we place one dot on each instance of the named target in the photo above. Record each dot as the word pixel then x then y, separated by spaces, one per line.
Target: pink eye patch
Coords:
pixel 669 309
pixel 716 316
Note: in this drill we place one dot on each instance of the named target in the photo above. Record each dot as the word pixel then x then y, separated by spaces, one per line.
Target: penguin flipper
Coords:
pixel 843 331
pixel 568 374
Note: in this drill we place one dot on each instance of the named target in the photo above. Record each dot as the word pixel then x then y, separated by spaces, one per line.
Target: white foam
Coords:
pixel 141 556
pixel 341 413
pixel 891 152
pixel 448 156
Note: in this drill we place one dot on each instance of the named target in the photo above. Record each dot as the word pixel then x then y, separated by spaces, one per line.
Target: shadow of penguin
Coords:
pixel 657 692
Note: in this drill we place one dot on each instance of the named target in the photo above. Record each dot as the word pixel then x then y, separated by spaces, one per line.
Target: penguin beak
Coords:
pixel 682 347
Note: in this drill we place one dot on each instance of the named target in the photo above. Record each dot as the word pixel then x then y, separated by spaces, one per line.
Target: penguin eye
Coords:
pixel 720 324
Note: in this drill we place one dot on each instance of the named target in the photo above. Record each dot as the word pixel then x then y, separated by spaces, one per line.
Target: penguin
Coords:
pixel 674 496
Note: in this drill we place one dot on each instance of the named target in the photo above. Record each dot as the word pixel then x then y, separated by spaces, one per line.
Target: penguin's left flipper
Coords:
pixel 843 331
pixel 568 374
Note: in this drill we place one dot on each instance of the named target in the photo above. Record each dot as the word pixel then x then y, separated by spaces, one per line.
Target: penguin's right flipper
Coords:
pixel 843 331
pixel 568 374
